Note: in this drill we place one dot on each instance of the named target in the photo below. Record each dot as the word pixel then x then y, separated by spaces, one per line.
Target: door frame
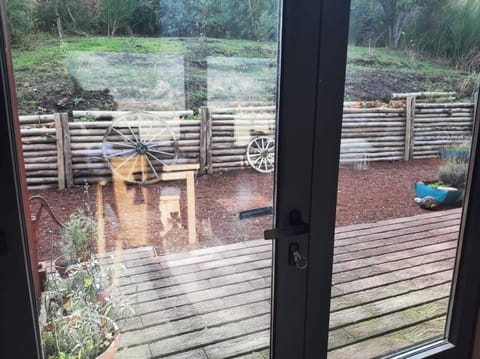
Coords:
pixel 309 113
pixel 19 329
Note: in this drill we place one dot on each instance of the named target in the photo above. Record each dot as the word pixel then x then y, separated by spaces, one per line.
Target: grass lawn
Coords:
pixel 149 73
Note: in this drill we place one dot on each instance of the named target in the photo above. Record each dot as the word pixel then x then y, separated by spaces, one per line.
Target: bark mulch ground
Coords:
pixel 131 215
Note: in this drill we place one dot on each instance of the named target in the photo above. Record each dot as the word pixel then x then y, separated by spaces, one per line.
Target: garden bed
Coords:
pixel 131 218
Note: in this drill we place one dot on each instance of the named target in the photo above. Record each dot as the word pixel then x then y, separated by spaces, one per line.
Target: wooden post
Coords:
pixel 409 128
pixel 208 143
pixel 475 105
pixel 67 150
pixel 202 156
pixel 60 151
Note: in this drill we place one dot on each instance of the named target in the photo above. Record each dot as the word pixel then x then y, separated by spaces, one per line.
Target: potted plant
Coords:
pixel 78 239
pixel 86 334
pixel 447 189
pixel 80 323
pixel 88 281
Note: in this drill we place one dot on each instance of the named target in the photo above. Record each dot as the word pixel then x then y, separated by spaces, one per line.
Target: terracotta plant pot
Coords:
pixel 63 269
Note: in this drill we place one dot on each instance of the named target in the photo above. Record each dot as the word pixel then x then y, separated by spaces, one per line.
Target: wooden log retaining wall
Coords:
pixel 230 130
pixel 61 152
pixel 438 125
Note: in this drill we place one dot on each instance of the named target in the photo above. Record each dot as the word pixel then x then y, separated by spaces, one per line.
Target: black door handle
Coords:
pixel 296 227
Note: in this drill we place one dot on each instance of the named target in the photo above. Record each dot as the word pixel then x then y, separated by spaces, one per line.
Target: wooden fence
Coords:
pixel 61 152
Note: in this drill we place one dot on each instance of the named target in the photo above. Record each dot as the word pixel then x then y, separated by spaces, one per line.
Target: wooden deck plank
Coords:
pixel 409 219
pixel 391 249
pixel 343 301
pixel 393 266
pixel 164 278
pixel 196 323
pixel 392 277
pixel 391 282
pixel 386 323
pixel 204 307
pixel 209 336
pixel 404 235
pixel 248 346
pixel 392 257
pixel 391 342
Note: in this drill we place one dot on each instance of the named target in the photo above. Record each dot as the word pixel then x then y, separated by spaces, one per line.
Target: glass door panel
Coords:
pixel 148 138
pixel 404 158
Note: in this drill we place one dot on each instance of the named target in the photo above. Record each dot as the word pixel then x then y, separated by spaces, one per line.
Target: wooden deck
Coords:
pixel 391 284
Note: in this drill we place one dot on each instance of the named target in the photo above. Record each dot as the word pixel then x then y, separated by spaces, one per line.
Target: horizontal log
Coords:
pixel 34 119
pixel 243 118
pixel 42 173
pixel 444 105
pixel 422 94
pixel 37 131
pixel 446 110
pixel 99 139
pixel 438 122
pixel 40 159
pixel 375 135
pixel 230 158
pixel 231 164
pixel 115 114
pixel 44 180
pixel 91 179
pixel 397 157
pixel 350 110
pixel 371 156
pixel 445 117
pixel 39 154
pixel 39 140
pixel 173 124
pixel 368 124
pixel 374 129
pixel 40 147
pixel 40 166
pixel 228 110
pixel 87 166
pixel 229 151
pixel 42 187
pixel 228 124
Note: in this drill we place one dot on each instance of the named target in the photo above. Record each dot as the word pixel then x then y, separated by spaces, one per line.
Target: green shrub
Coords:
pixel 453 173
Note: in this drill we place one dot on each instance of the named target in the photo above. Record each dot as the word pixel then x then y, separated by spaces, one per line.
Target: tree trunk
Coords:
pixel 58 18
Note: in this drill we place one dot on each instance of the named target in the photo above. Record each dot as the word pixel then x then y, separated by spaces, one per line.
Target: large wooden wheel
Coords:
pixel 261 154
pixel 137 145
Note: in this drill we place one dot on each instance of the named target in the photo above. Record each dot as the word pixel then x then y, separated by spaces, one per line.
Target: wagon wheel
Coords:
pixel 261 154
pixel 137 145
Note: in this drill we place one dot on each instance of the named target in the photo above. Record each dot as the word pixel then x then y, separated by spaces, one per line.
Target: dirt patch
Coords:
pixel 133 216
pixel 378 84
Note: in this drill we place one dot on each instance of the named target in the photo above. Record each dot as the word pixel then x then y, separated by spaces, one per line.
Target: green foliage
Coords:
pixel 453 173
pixel 252 19
pixel 88 118
pixel 117 14
pixel 79 312
pixel 78 236
pixel 19 14
pixel 87 334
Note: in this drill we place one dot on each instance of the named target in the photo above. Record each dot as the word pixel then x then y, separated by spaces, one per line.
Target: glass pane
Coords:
pixel 406 136
pixel 148 136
